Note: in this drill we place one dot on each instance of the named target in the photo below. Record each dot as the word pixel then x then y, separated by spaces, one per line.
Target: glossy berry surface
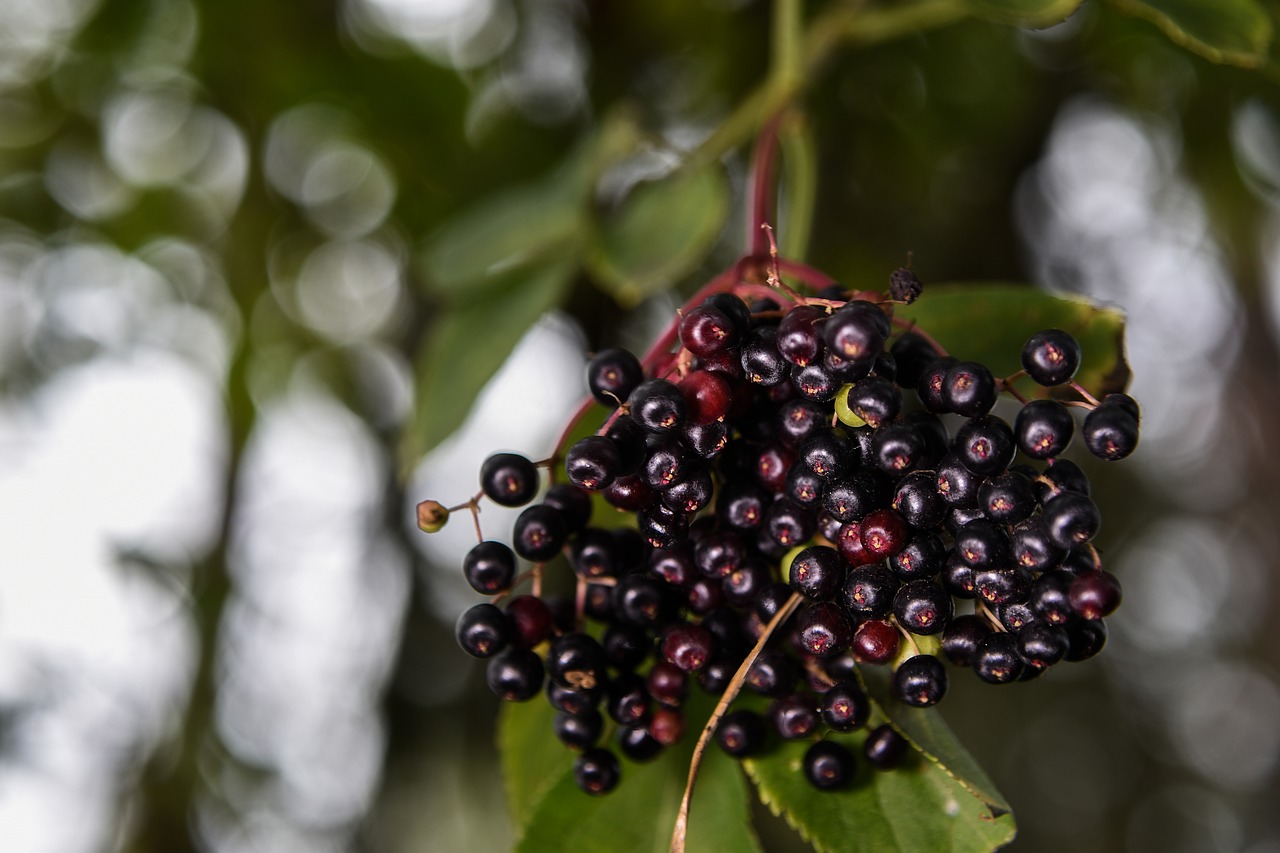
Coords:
pixel 828 765
pixel 612 375
pixel 1051 357
pixel 509 479
pixel 920 681
pixel 597 771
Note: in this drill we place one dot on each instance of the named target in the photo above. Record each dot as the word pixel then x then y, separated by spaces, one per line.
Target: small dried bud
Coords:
pixel 432 515
pixel 904 286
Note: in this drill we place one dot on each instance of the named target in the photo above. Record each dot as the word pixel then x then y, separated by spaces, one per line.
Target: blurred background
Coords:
pixel 258 260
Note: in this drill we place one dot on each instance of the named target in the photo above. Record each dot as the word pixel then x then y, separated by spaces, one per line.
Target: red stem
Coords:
pixel 764 165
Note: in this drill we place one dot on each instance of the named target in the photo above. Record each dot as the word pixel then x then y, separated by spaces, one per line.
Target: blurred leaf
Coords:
pixel 990 323
pixel 529 225
pixel 929 733
pixel 918 806
pixel 1236 32
pixel 470 341
pixel 555 815
pixel 1024 13
pixel 661 232
pixel 533 759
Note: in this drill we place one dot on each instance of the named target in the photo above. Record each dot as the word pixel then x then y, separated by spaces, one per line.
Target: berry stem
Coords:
pixel 1006 387
pixel 678 835
pixel 764 164
pixel 1079 389
pixel 906 635
pixel 910 326
pixel 985 612
pixel 774 275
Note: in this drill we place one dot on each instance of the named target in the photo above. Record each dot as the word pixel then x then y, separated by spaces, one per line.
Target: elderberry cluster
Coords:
pixel 796 447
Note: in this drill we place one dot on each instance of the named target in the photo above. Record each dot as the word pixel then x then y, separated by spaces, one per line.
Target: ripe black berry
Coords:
pixel 637 744
pixel 1110 432
pixel 868 591
pixel 578 731
pixel 509 479
pixel 923 607
pixel 798 340
pixel 687 646
pixel 985 445
pixel 761 361
pixel 920 681
pixel 916 499
pixel 856 331
pixel 1071 519
pixel 822 629
pixel 884 747
pixel 898 448
pixel 741 733
pixel 539 533
pixel 576 661
pixel 596 771
pixel 922 557
pixel 1007 498
pixel 612 375
pixel 828 765
pixel 855 495
pixel 817 572
pixel 515 675
pixel 1086 638
pixel 961 637
pixel 657 405
pixel 706 330
pixel 875 399
pixel 794 716
pixel 1051 357
pixel 1041 645
pixel 844 707
pixel 489 567
pixel 996 659
pixel 1044 428
pixel 969 389
pixel 483 631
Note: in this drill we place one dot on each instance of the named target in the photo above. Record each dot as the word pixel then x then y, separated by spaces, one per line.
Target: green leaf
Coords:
pixel 662 230
pixel 991 322
pixel 553 815
pixel 1236 32
pixel 1024 13
pixel 526 226
pixel 915 808
pixel 927 731
pixel 469 342
pixel 533 760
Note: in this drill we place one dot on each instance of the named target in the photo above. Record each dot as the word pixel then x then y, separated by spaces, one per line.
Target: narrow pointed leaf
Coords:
pixel 661 232
pixel 990 323
pixel 1236 32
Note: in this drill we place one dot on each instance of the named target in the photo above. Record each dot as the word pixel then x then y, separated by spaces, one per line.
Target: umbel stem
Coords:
pixel 678 835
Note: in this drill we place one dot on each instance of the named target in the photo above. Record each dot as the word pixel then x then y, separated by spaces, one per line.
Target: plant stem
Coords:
pixel 678 835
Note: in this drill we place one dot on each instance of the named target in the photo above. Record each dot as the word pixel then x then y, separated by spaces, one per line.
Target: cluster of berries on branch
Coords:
pixel 812 485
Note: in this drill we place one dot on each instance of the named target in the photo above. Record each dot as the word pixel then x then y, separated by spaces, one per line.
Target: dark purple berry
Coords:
pixel 823 629
pixel 596 771
pixel 576 661
pixel 876 641
pixel 483 631
pixel 961 637
pixel 579 731
pixel 762 363
pixel 515 675
pixel 705 331
pixel 1044 428
pixel 917 500
pixel 969 389
pixel 817 572
pixel 985 445
pixel 1110 432
pixel 1086 638
pixel 539 533
pixel 844 707
pixel 794 716
pixel 875 399
pixel 996 660
pixel 657 405
pixel 1071 519
pixel 1007 498
pixel 612 375
pixel 884 747
pixel 828 765
pixel 920 681
pixel 923 607
pixel 509 479
pixel 637 744
pixel 741 733
pixel 489 567
pixel 1051 357
pixel 1095 594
